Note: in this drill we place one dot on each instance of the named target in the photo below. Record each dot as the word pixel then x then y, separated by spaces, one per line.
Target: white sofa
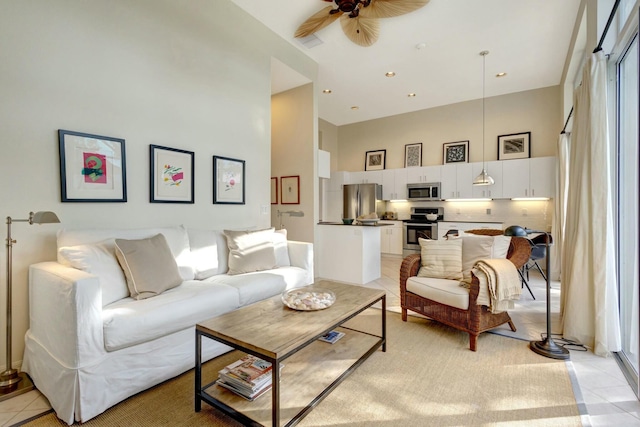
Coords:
pixel 86 353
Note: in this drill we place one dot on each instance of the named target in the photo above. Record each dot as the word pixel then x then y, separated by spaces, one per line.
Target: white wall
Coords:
pixel 189 74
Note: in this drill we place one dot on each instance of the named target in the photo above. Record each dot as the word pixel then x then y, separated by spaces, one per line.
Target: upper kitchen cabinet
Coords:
pixel 457 181
pixel 337 180
pixel 533 177
pixel 494 169
pixel 394 184
pixel 365 177
pixel 423 174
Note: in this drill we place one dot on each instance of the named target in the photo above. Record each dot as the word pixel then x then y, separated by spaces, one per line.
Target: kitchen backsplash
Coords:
pixel 534 214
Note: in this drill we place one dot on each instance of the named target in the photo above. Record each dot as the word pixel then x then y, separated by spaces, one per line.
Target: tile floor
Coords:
pixel 602 392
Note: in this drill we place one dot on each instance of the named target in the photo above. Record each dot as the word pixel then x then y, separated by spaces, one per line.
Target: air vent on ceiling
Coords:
pixel 310 41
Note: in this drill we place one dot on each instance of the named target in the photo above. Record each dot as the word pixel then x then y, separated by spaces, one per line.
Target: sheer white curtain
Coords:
pixel 590 310
pixel 560 205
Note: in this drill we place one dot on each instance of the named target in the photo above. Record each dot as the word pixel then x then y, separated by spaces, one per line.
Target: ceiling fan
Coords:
pixel 359 18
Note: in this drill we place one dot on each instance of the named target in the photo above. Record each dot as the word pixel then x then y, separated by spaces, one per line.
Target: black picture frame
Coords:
pixel 413 155
pixel 92 168
pixel 228 181
pixel 455 152
pixel 514 146
pixel 171 175
pixel 375 160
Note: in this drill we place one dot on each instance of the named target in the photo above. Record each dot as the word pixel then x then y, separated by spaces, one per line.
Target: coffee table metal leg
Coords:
pixel 198 374
pixel 275 393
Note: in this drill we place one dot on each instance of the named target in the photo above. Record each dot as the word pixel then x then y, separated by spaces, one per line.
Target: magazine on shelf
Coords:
pixel 331 337
pixel 249 371
pixel 243 393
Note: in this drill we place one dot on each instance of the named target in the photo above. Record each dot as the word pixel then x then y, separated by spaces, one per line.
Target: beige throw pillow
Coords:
pixel 250 250
pixel 148 265
pixel 441 259
pixel 478 247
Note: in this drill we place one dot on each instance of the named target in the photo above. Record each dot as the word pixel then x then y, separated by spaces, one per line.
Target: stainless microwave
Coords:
pixel 423 191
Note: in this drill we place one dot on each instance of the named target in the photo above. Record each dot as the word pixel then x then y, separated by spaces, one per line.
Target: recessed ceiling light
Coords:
pixel 421 45
pixel 411 95
pixel 326 91
pixel 390 74
pixel 501 74
pixel 355 107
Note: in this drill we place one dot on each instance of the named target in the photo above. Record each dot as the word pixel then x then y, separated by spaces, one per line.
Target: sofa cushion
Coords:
pixel 478 247
pixel 250 250
pixel 177 238
pixel 128 322
pixel 281 248
pixel 209 252
pixel 441 259
pixel 256 286
pixel 148 265
pixel 448 292
pixel 99 259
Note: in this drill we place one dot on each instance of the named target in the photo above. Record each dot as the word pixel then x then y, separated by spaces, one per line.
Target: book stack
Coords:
pixel 249 377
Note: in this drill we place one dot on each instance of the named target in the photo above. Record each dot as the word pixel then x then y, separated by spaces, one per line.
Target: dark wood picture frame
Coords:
pixel 92 168
pixel 290 190
pixel 274 190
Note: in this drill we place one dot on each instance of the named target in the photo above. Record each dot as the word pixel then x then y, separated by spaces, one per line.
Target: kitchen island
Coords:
pixel 348 253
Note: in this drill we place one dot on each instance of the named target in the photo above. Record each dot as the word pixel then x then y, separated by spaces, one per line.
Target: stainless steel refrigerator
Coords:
pixel 360 199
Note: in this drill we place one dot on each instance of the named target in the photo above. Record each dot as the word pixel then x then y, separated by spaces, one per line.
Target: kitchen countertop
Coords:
pixel 354 224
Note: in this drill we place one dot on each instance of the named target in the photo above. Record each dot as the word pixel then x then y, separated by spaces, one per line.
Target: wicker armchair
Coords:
pixel 476 319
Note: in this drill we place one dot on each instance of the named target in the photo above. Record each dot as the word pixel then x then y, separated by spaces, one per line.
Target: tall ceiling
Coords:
pixel 434 52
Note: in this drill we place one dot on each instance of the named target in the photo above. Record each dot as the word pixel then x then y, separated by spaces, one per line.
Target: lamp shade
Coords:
pixel 44 217
pixel 483 179
pixel 515 231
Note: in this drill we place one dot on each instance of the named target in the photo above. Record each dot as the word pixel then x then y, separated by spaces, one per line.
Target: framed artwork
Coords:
pixel 514 146
pixel 375 160
pixel 228 181
pixel 92 168
pixel 455 152
pixel 413 155
pixel 274 190
pixel 290 190
pixel 172 175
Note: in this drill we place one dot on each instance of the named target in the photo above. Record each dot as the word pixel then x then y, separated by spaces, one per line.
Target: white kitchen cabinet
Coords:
pixel 337 180
pixel 423 174
pixel 365 177
pixel 529 177
pixel 391 237
pixel 494 169
pixel 457 181
pixel 394 184
pixel 462 226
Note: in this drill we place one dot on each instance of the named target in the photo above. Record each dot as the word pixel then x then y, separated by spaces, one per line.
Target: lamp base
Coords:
pixel 548 348
pixel 20 383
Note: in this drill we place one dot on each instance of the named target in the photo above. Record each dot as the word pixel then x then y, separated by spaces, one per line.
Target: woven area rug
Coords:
pixel 427 377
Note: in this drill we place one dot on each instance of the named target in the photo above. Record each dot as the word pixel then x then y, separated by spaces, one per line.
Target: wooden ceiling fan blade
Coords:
pixel 317 21
pixel 390 8
pixel 361 31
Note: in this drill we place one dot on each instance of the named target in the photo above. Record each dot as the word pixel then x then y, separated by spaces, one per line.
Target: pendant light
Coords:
pixel 483 178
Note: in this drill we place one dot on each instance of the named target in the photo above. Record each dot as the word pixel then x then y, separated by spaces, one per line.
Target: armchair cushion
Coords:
pixel 444 291
pixel 441 259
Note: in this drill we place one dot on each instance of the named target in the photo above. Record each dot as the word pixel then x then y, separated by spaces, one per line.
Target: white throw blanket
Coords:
pixel 499 284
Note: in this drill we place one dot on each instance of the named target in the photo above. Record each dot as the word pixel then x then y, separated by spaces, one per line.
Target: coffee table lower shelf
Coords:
pixel 306 378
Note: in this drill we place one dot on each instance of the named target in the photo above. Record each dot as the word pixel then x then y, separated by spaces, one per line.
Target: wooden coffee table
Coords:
pixel 289 338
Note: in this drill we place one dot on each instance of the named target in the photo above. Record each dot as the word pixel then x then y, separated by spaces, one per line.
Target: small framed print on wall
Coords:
pixel 455 152
pixel 92 168
pixel 514 146
pixel 228 181
pixel 375 160
pixel 274 190
pixel 413 155
pixel 172 175
pixel 290 190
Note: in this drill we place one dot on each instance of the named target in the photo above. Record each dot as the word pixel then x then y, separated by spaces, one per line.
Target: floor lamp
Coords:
pixel 13 382
pixel 547 347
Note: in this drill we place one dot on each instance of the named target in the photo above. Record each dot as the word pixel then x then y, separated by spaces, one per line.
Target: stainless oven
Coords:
pixel 419 227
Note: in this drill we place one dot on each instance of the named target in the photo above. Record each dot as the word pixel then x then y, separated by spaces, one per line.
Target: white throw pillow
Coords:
pixel 441 259
pixel 209 253
pixel 99 259
pixel 479 247
pixel 250 250
pixel 281 248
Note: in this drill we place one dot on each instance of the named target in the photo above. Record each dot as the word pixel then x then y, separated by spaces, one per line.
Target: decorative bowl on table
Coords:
pixel 308 299
pixel 347 221
pixel 368 221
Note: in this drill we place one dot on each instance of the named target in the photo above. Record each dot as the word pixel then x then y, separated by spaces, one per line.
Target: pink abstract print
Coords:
pixel 172 175
pixel 95 168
